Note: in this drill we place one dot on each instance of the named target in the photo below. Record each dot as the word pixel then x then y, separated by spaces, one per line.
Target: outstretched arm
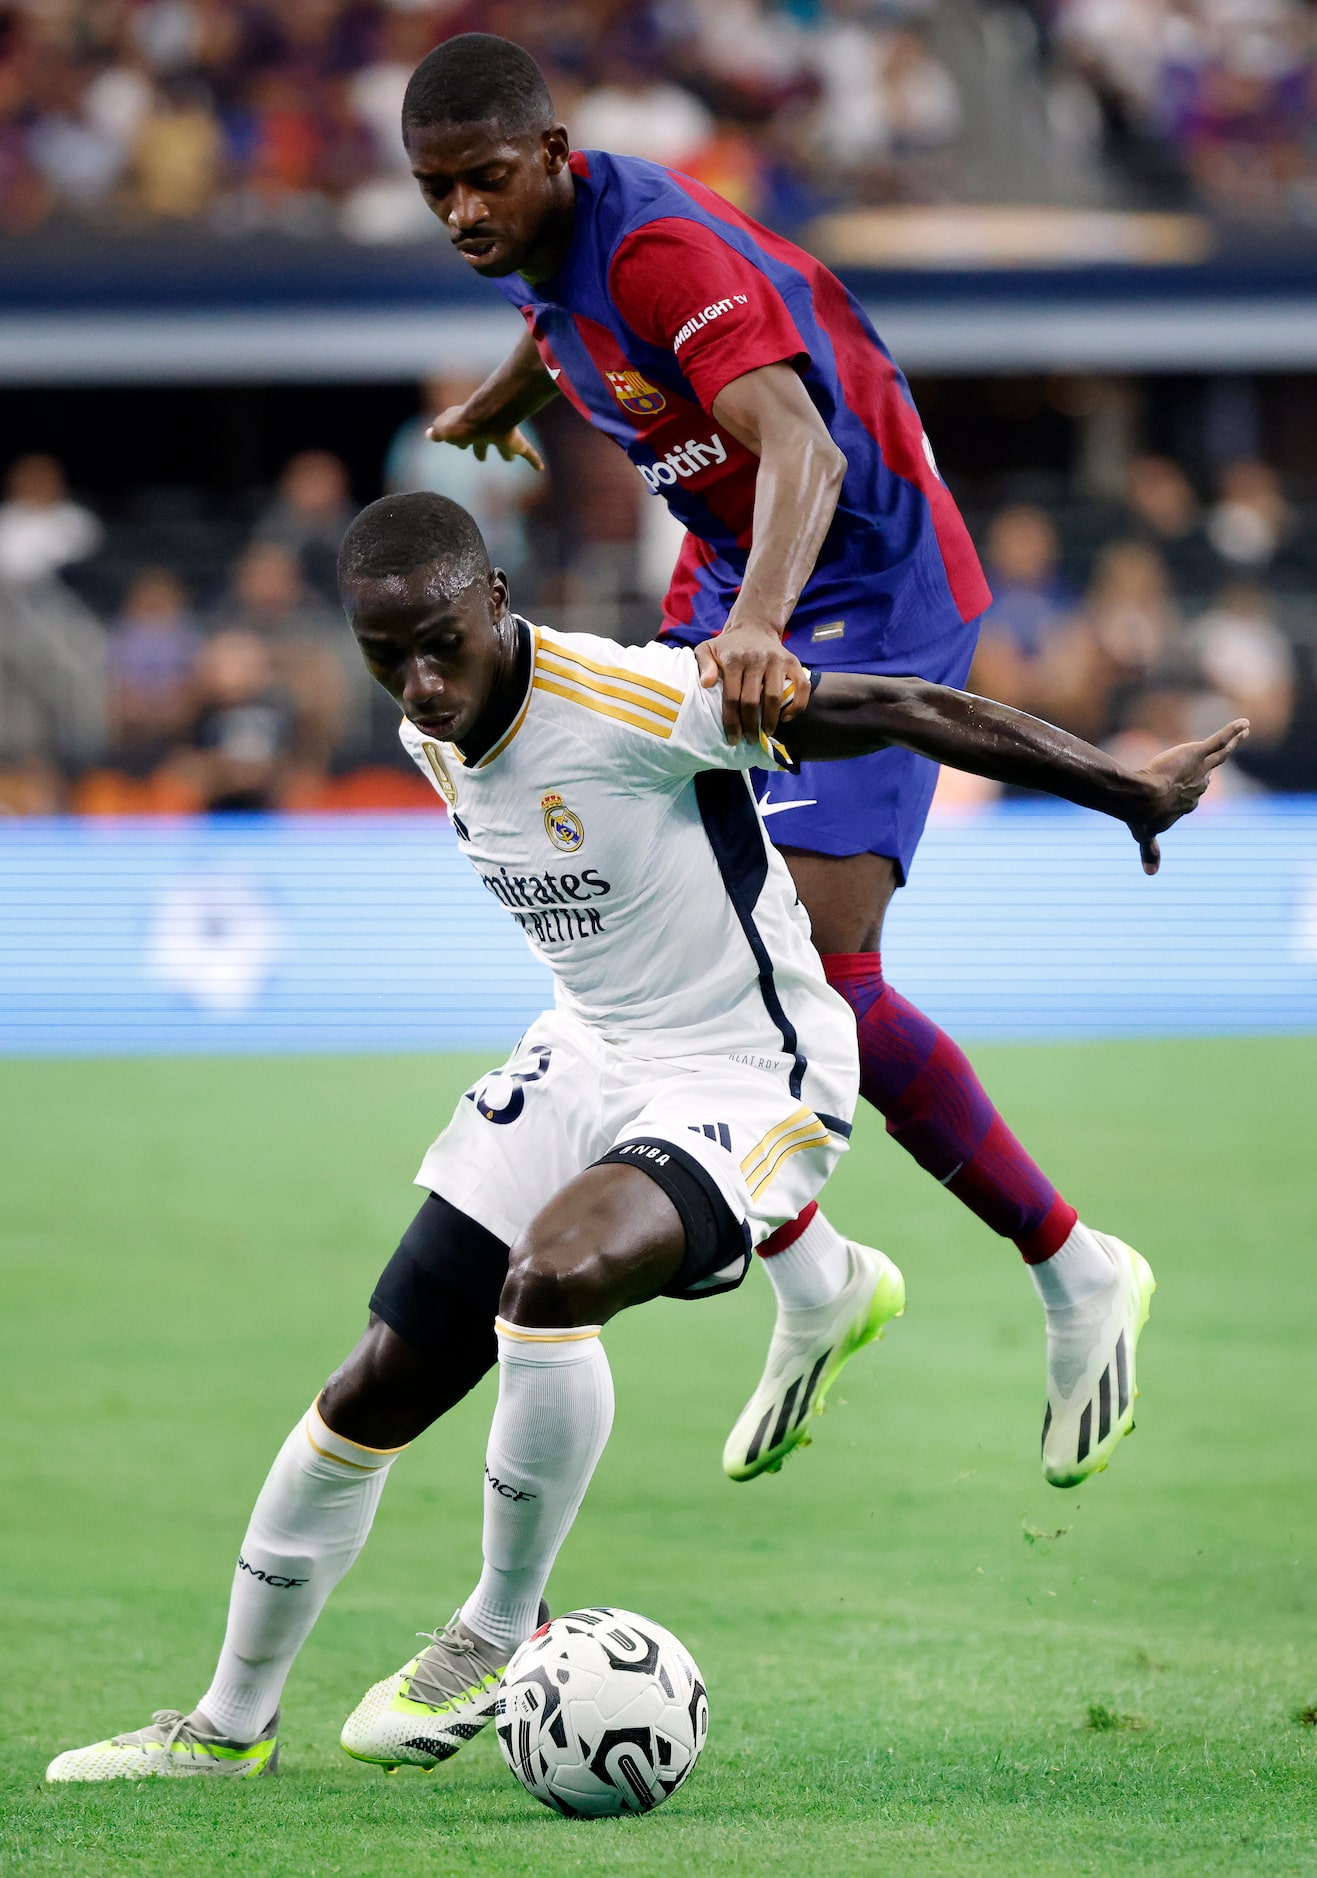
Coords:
pixel 852 713
pixel 490 417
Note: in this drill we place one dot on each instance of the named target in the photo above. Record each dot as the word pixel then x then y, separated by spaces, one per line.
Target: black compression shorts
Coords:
pixel 440 1291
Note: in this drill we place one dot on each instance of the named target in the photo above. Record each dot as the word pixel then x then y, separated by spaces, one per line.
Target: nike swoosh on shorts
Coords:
pixel 779 808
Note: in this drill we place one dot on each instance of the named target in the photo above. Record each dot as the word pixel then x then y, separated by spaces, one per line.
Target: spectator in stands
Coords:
pixel 79 159
pixel 1162 508
pixel 1029 596
pixel 1129 631
pixel 1248 660
pixel 310 651
pixel 498 493
pixel 1250 520
pixel 176 156
pixel 1130 610
pixel 889 110
pixel 747 58
pixel 923 105
pixel 1032 606
pixel 41 528
pixel 312 508
pixel 245 740
pixel 52 692
pixel 636 113
pixel 153 650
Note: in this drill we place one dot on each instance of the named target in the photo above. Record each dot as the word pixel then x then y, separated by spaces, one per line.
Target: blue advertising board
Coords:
pixel 371 932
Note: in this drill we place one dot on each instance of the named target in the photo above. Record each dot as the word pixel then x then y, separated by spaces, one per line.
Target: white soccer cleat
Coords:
pixel 1090 1368
pixel 432 1706
pixel 807 1354
pixel 173 1744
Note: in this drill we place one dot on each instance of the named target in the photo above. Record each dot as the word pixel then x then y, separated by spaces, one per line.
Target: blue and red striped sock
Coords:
pixel 922 1082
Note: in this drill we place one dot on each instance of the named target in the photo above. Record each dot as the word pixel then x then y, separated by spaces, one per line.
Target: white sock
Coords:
pixel 812 1269
pixel 1077 1270
pixel 310 1521
pixel 553 1417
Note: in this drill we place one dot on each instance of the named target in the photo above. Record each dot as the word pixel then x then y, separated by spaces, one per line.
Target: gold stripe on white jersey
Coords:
pixel 609 681
pixel 640 680
pixel 623 692
pixel 594 701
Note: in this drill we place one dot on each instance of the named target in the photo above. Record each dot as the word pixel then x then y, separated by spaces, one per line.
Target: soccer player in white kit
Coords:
pixel 690 1091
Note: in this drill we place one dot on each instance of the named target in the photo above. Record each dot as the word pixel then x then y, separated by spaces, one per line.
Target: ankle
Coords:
pixel 810 1271
pixel 1078 1270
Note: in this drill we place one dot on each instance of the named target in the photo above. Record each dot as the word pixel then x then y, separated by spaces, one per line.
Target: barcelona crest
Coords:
pixel 636 394
pixel 564 829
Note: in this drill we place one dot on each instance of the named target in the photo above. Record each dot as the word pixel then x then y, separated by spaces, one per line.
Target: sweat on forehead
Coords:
pixel 399 535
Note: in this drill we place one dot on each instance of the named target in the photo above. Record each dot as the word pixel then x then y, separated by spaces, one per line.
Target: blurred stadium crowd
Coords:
pixel 240 116
pixel 166 663
pixel 176 649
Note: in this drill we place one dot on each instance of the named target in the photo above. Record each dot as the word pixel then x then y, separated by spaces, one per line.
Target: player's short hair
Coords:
pixel 398 534
pixel 478 78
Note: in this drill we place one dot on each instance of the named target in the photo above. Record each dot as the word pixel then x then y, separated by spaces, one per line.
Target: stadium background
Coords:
pixel 1088 230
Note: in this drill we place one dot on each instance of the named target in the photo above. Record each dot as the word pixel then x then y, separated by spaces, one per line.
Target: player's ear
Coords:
pixel 556 147
pixel 499 591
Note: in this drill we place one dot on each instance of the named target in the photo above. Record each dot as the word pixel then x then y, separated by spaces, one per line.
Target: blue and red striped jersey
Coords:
pixel 665 295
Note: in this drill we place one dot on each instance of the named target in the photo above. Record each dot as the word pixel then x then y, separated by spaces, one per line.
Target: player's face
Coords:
pixel 500 198
pixel 443 658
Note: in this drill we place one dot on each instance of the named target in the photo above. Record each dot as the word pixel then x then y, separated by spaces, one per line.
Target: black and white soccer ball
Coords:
pixel 602 1712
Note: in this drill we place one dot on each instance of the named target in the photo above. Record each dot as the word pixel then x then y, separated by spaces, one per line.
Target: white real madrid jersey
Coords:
pixel 617 826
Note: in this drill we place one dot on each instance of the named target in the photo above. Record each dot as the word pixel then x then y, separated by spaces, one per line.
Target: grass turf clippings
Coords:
pixel 921 1659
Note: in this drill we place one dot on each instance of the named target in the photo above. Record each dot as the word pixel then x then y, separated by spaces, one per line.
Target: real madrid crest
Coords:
pixel 447 787
pixel 564 829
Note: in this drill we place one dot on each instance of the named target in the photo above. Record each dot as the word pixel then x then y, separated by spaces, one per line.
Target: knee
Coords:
pixel 553 1284
pixel 382 1396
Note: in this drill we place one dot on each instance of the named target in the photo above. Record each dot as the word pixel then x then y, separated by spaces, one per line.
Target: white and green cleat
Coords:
pixel 432 1706
pixel 173 1745
pixel 808 1352
pixel 1090 1369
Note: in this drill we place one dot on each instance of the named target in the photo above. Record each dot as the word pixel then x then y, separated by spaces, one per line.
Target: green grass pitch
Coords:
pixel 920 1658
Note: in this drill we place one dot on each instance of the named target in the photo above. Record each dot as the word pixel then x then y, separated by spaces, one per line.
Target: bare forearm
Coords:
pixel 514 391
pixel 796 494
pixel 853 714
pixel 799 479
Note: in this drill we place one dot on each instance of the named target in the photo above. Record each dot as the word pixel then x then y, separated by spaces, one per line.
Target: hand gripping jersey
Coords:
pixel 666 294
pixel 616 826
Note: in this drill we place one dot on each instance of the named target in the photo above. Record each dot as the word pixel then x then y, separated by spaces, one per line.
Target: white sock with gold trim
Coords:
pixel 553 1417
pixel 309 1523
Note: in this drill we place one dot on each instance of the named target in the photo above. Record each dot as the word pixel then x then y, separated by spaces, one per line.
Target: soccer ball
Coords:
pixel 601 1712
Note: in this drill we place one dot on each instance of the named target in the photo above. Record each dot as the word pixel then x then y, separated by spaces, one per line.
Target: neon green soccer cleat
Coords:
pixel 432 1706
pixel 808 1352
pixel 173 1745
pixel 1090 1369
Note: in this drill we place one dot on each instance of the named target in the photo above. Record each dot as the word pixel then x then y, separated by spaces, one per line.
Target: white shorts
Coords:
pixel 565 1098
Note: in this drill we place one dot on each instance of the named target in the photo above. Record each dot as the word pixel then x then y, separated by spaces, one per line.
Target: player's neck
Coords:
pixel 551 249
pixel 509 693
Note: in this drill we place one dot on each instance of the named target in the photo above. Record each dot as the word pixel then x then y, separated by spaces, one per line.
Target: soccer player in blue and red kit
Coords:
pixel 754 397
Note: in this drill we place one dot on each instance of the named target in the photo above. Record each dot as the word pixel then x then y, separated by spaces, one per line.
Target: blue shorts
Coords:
pixel 868 804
